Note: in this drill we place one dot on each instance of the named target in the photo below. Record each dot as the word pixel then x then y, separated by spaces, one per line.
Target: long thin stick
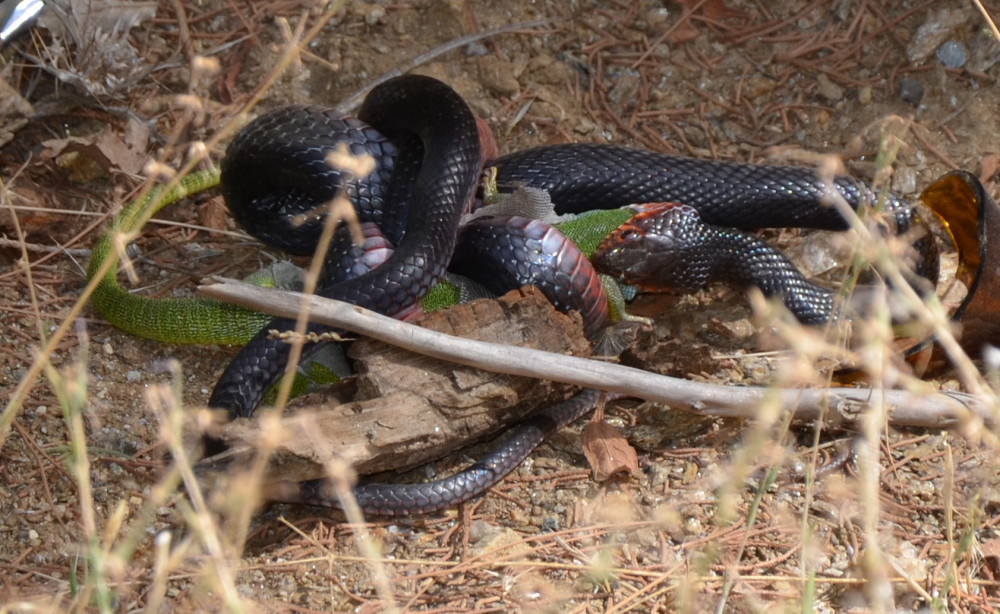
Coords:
pixel 928 409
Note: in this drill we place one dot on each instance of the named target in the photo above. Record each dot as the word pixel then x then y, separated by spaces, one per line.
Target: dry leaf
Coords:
pixel 39 223
pixel 607 451
pixel 91 48
pixel 14 109
pixel 213 215
pixel 712 9
pixel 991 556
pixel 683 32
pixel 105 150
pixel 991 165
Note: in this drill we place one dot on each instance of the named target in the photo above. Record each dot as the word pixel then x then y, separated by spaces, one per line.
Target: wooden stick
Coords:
pixel 928 409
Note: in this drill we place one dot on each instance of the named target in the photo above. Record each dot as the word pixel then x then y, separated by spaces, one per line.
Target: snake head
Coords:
pixel 657 250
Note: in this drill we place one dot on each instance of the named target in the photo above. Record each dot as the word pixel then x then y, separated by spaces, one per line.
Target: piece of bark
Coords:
pixel 411 409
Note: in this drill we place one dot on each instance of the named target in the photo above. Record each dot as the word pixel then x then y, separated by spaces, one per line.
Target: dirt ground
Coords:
pixel 699 527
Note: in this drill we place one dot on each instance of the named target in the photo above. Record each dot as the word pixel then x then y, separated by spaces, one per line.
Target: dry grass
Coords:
pixel 715 523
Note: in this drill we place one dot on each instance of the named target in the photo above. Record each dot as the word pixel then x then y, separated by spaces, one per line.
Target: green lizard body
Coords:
pixel 170 320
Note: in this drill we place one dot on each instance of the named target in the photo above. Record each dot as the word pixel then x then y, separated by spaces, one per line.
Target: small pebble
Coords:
pixel 658 15
pixel 904 180
pixel 910 90
pixel 952 54
pixel 828 89
pixel 375 15
pixel 934 31
pixel 372 13
pixel 476 50
pixel 479 530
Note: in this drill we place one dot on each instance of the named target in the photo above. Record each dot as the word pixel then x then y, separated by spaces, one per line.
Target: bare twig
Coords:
pixel 927 409
pixel 44 249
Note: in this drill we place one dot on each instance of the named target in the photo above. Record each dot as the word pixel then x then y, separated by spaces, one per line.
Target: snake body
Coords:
pixel 582 177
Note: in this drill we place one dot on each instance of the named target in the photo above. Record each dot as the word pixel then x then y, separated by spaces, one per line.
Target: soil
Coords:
pixel 91 498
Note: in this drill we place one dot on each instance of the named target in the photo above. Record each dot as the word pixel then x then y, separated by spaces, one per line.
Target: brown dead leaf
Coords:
pixel 991 166
pixel 707 10
pixel 683 32
pixel 607 451
pixel 213 215
pixel 104 151
pixel 991 557
pixel 14 110
pixel 33 222
pixel 136 142
pixel 712 9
